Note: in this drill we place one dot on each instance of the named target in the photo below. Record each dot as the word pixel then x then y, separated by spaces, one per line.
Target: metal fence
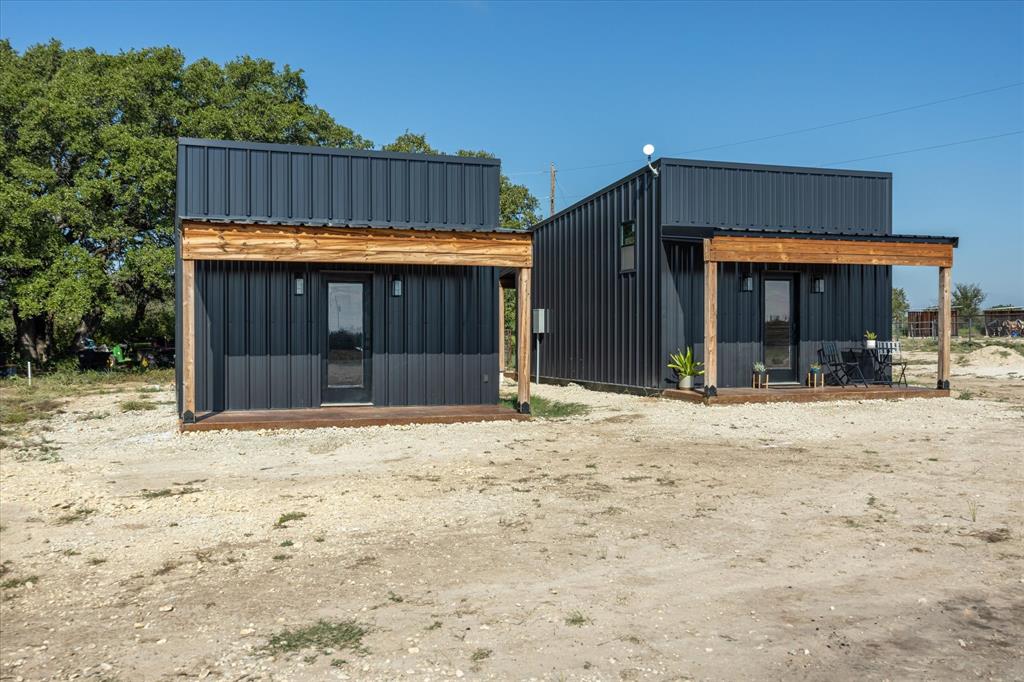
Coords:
pixel 963 326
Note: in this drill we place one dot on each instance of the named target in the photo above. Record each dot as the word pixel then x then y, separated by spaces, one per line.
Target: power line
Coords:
pixel 923 149
pixel 796 132
pixel 875 156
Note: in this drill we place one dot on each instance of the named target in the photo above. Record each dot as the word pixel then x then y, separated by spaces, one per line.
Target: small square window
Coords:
pixel 627 246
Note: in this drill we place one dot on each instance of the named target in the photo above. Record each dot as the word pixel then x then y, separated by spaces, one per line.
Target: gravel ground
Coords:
pixel 650 539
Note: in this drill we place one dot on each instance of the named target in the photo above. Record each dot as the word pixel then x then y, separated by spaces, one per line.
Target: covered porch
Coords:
pixel 726 246
pixel 802 394
pixel 338 248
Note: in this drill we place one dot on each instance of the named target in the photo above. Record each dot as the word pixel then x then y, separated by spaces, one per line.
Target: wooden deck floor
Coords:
pixel 803 394
pixel 350 416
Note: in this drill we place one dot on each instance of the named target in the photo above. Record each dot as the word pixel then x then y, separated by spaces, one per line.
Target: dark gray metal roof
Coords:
pixel 809 170
pixel 320 223
pixel 687 233
pixel 249 182
pixel 718 193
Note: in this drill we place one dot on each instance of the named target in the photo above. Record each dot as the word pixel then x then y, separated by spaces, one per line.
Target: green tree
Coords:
pixel 967 299
pixel 900 306
pixel 410 143
pixel 87 173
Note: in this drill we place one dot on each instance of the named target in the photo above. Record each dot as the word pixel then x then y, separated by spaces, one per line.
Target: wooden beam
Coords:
pixel 710 326
pixel 501 330
pixel 945 326
pixel 188 341
pixel 826 251
pixel 291 243
pixel 523 340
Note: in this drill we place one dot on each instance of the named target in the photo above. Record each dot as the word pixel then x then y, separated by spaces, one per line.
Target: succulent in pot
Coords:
pixel 685 367
pixel 760 378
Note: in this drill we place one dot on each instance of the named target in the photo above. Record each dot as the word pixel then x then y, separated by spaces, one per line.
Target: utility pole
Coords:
pixel 551 196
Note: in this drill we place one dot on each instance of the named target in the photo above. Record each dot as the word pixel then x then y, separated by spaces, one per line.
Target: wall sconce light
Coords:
pixel 746 283
pixel 818 287
pixel 300 285
pixel 396 286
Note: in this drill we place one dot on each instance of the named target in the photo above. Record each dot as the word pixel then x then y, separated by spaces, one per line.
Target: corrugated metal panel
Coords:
pixel 253 182
pixel 603 326
pixel 259 345
pixel 748 196
pixel 856 298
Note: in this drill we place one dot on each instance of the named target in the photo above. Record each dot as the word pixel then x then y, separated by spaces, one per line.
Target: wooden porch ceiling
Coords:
pixel 826 251
pixel 293 243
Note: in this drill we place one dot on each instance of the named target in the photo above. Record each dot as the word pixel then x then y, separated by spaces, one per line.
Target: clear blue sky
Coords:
pixel 586 84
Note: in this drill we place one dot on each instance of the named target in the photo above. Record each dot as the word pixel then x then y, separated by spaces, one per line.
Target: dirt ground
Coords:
pixel 649 539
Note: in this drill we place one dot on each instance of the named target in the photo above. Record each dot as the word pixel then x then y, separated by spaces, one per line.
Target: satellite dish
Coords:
pixel 648 150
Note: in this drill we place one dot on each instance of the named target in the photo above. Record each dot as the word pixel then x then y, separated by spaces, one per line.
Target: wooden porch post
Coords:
pixel 710 325
pixel 188 341
pixel 501 331
pixel 523 340
pixel 945 326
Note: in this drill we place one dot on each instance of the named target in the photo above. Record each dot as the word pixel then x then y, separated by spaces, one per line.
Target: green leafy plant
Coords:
pixel 870 335
pixel 760 368
pixel 684 364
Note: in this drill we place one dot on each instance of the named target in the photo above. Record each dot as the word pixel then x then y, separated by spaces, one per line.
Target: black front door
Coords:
pixel 347 355
pixel 779 336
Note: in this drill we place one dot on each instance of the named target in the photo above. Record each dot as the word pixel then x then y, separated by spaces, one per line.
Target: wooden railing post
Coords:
pixel 188 341
pixel 710 323
pixel 523 339
pixel 945 326
pixel 501 331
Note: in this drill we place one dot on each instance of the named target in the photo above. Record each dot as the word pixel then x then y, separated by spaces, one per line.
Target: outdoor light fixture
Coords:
pixel 746 283
pixel 396 286
pixel 300 285
pixel 818 287
pixel 649 152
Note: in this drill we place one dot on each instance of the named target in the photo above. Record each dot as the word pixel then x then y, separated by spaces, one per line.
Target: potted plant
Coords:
pixel 814 375
pixel 685 367
pixel 869 339
pixel 760 378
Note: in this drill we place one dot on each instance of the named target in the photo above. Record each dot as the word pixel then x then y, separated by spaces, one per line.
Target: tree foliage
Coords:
pixel 87 173
pixel 967 299
pixel 87 178
pixel 900 306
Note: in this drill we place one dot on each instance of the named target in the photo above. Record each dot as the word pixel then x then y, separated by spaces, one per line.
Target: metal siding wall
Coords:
pixel 279 183
pixel 603 329
pixel 856 298
pixel 698 195
pixel 258 345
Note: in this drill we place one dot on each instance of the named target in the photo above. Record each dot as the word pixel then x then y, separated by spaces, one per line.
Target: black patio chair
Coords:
pixel 890 358
pixel 842 366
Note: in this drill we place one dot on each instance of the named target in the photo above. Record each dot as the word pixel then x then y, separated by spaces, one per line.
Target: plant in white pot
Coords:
pixel 685 367
pixel 869 339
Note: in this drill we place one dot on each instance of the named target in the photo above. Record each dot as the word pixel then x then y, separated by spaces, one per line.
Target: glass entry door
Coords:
pixel 347 350
pixel 779 336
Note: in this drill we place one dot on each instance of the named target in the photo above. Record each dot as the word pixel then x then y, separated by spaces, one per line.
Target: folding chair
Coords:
pixel 843 367
pixel 890 358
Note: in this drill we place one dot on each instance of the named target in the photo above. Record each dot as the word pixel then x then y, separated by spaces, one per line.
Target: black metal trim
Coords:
pixel 695 232
pixel 338 151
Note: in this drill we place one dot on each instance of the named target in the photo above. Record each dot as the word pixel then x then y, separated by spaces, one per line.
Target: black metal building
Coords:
pixel 622 272
pixel 310 276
